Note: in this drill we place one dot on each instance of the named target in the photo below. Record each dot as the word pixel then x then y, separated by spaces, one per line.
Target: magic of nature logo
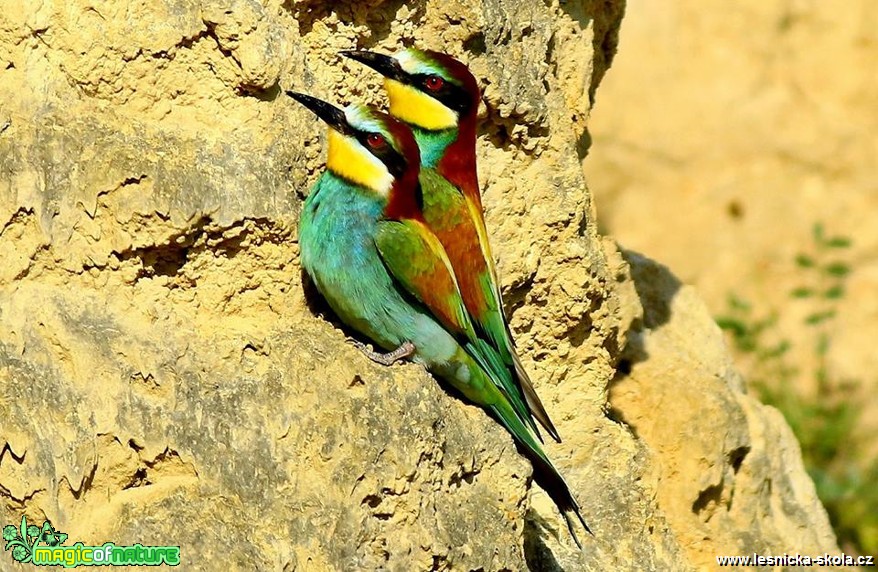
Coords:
pixel 42 546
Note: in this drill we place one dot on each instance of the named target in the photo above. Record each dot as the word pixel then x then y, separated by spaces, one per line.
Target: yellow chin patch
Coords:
pixel 350 160
pixel 417 108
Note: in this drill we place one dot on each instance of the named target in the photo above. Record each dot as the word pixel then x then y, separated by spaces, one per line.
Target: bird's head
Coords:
pixel 367 147
pixel 427 89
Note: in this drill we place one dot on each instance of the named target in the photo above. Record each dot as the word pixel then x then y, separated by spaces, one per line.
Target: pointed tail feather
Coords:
pixel 497 330
pixel 492 363
pixel 533 400
pixel 551 481
pixel 545 473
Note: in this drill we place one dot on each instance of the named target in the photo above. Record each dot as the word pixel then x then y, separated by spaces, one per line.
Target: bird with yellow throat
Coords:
pixel 438 98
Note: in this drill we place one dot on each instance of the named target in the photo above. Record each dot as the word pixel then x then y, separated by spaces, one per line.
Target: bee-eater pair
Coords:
pixel 393 236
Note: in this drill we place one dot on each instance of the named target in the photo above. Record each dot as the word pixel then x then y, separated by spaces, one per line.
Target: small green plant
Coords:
pixel 750 336
pixel 825 421
pixel 823 285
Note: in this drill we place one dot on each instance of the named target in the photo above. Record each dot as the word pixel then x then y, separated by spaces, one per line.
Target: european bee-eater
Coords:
pixel 370 254
pixel 438 98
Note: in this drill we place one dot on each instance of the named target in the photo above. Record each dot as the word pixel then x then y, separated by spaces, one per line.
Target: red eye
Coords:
pixel 434 83
pixel 376 141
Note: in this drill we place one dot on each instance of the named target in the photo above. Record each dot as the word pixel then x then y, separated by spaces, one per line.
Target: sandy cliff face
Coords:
pixel 164 380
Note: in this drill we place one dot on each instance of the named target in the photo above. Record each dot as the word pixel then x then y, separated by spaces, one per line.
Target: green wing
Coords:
pixel 455 222
pixel 418 261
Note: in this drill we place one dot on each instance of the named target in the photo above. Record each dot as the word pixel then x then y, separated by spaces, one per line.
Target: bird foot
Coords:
pixel 403 351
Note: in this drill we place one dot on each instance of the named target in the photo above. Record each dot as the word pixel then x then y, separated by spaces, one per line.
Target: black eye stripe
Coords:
pixel 451 95
pixel 394 161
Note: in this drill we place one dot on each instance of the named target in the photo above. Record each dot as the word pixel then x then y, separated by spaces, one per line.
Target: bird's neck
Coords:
pixel 405 200
pixel 457 162
pixel 433 143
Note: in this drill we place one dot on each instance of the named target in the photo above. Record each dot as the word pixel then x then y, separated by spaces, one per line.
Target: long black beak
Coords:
pixel 385 65
pixel 332 115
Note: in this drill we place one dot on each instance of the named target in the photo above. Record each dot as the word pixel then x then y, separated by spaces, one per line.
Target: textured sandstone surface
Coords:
pixel 164 378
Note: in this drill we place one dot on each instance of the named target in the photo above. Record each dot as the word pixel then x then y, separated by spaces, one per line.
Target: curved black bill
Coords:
pixel 385 65
pixel 332 115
